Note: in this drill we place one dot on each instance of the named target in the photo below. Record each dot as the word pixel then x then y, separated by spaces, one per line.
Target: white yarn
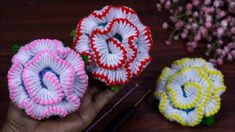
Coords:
pixel 189 90
pixel 117 42
pixel 47 79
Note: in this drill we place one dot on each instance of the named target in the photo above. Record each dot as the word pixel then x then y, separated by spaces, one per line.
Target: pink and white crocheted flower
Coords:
pixel 116 43
pixel 47 79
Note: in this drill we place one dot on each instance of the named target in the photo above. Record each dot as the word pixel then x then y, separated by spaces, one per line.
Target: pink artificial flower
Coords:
pixel 220 32
pixel 165 25
pixel 207 2
pixel 197 37
pixel 190 49
pixel 230 57
pixel 212 61
pixel 220 42
pixel 203 31
pixel 196 2
pixel 173 18
pixel 233 30
pixel 233 53
pixel 208 24
pixel 226 49
pixel 218 51
pixel 211 21
pixel 208 45
pixel 168 42
pixel 189 7
pixel 179 24
pixel 222 14
pixel 159 7
pixel 180 8
pixel 176 37
pixel 195 14
pixel 211 10
pixel 207 54
pixel 183 35
pixel 220 61
pixel 232 7
pixel 216 3
pixel 168 5
pixel 224 23
pixel 195 25
pixel 194 44
pixel 162 1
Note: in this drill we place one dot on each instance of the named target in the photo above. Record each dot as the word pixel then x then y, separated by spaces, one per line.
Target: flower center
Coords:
pixel 43 72
pixel 184 93
pixel 102 24
pixel 118 37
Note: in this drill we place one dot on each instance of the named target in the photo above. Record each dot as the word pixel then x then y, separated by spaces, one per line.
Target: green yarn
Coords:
pixel 73 34
pixel 208 121
pixel 15 48
pixel 85 58
pixel 116 88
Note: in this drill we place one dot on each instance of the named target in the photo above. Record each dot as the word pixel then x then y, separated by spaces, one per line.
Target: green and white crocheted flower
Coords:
pixel 189 90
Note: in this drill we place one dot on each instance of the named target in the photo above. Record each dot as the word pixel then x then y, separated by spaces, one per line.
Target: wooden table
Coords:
pixel 26 20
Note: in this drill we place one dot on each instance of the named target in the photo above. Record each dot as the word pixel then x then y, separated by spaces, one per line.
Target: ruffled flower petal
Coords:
pixel 189 91
pixel 116 42
pixel 47 79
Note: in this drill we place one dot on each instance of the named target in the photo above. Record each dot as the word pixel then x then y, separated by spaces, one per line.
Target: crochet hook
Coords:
pixel 124 115
pixel 113 107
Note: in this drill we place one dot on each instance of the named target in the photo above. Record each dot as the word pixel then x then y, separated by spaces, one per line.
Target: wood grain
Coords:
pixel 26 20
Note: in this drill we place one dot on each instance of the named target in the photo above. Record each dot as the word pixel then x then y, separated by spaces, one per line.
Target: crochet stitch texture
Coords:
pixel 116 43
pixel 47 79
pixel 189 91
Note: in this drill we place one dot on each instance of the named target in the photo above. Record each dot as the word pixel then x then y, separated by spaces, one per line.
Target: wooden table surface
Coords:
pixel 26 20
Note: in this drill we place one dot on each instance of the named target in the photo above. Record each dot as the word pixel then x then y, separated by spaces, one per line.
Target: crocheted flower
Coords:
pixel 189 91
pixel 115 43
pixel 47 79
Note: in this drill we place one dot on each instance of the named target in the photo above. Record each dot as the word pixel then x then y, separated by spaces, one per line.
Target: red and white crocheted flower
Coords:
pixel 47 79
pixel 116 43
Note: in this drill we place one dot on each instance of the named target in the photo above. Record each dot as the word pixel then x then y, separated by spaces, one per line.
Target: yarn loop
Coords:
pixel 47 79
pixel 189 91
pixel 116 43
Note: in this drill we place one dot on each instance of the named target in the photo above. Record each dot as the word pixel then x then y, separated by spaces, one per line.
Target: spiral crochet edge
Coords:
pixel 26 103
pixel 161 95
pixel 101 14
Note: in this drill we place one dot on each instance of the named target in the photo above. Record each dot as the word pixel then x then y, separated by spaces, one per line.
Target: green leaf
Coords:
pixel 155 104
pixel 208 121
pixel 15 48
pixel 115 88
pixel 85 58
pixel 73 33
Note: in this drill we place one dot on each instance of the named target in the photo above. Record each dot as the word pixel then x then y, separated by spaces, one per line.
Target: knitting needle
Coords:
pixel 110 110
pixel 124 115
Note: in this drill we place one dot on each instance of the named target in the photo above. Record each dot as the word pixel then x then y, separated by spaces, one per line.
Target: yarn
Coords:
pixel 189 90
pixel 47 79
pixel 115 42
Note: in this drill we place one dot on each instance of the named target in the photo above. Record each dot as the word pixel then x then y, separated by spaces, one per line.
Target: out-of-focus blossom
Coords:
pixel 164 25
pixel 209 22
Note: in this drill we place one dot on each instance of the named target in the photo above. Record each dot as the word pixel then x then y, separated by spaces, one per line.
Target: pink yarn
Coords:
pixel 47 79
